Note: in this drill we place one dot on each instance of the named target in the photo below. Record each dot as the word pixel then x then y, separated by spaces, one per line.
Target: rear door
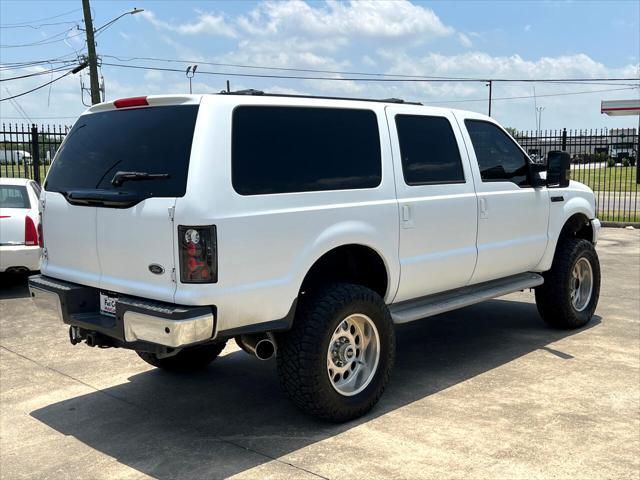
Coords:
pixel 437 201
pixel 100 180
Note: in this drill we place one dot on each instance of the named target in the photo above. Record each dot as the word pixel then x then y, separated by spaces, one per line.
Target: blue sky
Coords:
pixel 478 39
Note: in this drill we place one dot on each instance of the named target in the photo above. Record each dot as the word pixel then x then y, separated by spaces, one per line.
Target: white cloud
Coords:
pixel 527 28
pixel 207 23
pixel 153 76
pixel 368 61
pixel 380 19
pixel 465 41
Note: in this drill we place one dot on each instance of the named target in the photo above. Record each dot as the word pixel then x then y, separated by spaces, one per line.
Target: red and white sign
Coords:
pixel 620 107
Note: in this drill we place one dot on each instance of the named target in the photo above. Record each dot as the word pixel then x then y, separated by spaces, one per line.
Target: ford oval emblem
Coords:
pixel 156 269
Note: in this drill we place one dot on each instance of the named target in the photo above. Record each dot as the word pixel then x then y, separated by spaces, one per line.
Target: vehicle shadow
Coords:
pixel 190 426
pixel 14 285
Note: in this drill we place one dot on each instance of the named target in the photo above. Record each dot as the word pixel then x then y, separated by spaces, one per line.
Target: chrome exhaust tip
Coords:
pixel 261 345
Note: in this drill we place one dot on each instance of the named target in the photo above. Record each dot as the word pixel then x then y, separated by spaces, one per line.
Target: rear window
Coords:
pixel 303 149
pixel 154 140
pixel 14 196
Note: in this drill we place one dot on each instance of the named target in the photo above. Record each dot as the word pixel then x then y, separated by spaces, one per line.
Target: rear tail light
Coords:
pixel 198 254
pixel 30 232
pixel 40 233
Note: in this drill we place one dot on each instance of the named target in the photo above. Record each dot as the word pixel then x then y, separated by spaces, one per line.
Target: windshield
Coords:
pixel 154 140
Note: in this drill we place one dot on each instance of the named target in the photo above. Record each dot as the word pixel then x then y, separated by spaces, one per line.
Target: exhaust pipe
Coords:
pixel 261 345
pixel 17 270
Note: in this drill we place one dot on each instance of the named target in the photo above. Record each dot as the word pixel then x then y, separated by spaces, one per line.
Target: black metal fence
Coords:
pixel 26 151
pixel 605 160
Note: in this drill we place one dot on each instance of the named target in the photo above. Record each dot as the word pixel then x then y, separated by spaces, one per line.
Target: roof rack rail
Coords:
pixel 251 91
pixel 248 91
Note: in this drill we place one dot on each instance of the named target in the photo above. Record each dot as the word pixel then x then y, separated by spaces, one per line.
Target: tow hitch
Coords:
pixel 92 339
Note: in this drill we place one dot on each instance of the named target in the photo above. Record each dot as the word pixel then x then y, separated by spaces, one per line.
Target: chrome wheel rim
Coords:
pixel 353 354
pixel 581 284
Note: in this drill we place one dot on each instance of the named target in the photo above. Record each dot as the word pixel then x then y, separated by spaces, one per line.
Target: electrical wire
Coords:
pixel 374 74
pixel 75 70
pixel 46 41
pixel 38 27
pixel 354 79
pixel 40 20
pixel 35 74
pixel 532 96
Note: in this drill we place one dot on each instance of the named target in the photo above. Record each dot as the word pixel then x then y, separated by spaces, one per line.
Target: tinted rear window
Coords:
pixel 302 149
pixel 14 196
pixel 151 140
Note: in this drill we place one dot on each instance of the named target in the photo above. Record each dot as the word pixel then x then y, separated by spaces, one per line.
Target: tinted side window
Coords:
pixel 429 150
pixel 498 156
pixel 302 149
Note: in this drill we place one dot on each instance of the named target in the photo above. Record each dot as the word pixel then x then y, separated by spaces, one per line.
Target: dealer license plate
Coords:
pixel 108 304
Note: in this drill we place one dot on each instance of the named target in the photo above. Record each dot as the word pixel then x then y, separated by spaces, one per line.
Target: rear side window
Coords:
pixel 301 149
pixel 499 158
pixel 14 196
pixel 150 140
pixel 429 150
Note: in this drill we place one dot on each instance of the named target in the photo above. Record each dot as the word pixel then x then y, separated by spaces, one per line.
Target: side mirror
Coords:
pixel 558 169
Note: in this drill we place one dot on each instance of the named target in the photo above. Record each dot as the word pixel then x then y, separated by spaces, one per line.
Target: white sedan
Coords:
pixel 20 231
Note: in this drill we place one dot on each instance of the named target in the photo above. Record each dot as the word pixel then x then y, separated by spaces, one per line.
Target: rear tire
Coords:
pixel 336 361
pixel 186 360
pixel 569 295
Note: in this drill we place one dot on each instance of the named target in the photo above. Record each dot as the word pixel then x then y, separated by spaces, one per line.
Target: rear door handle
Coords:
pixel 484 213
pixel 407 221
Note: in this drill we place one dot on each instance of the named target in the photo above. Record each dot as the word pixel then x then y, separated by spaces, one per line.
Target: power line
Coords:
pixel 40 20
pixel 75 70
pixel 356 79
pixel 532 96
pixel 35 74
pixel 373 74
pixel 19 108
pixel 39 26
pixel 46 41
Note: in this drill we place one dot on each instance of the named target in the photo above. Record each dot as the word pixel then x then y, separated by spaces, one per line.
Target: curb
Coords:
pixel 621 224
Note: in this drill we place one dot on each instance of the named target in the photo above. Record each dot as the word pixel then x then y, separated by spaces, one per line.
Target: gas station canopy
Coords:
pixel 615 108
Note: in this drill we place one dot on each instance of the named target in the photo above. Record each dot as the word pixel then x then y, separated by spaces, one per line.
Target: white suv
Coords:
pixel 303 227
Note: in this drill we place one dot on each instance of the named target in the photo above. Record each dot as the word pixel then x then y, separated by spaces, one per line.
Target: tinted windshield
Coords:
pixel 151 140
pixel 14 196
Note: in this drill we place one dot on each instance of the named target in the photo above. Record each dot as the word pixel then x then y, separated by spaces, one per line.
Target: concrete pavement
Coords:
pixel 485 392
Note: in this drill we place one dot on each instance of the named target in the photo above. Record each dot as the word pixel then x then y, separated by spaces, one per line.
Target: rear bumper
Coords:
pixel 138 323
pixel 19 256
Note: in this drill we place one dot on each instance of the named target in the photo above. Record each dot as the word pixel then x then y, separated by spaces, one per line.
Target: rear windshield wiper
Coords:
pixel 120 177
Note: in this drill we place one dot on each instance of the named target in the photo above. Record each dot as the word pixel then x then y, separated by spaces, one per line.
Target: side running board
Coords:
pixel 430 305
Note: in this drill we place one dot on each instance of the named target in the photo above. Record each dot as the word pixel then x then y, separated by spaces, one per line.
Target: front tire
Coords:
pixel 569 295
pixel 186 360
pixel 336 361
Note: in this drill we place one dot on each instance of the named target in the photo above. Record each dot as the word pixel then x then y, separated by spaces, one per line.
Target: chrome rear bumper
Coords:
pixel 136 322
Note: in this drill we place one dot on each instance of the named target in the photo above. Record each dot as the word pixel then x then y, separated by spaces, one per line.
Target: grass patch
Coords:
pixel 619 216
pixel 18 171
pixel 607 179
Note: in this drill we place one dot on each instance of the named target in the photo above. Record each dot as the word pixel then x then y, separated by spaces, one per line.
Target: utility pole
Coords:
pixel 91 53
pixel 490 84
